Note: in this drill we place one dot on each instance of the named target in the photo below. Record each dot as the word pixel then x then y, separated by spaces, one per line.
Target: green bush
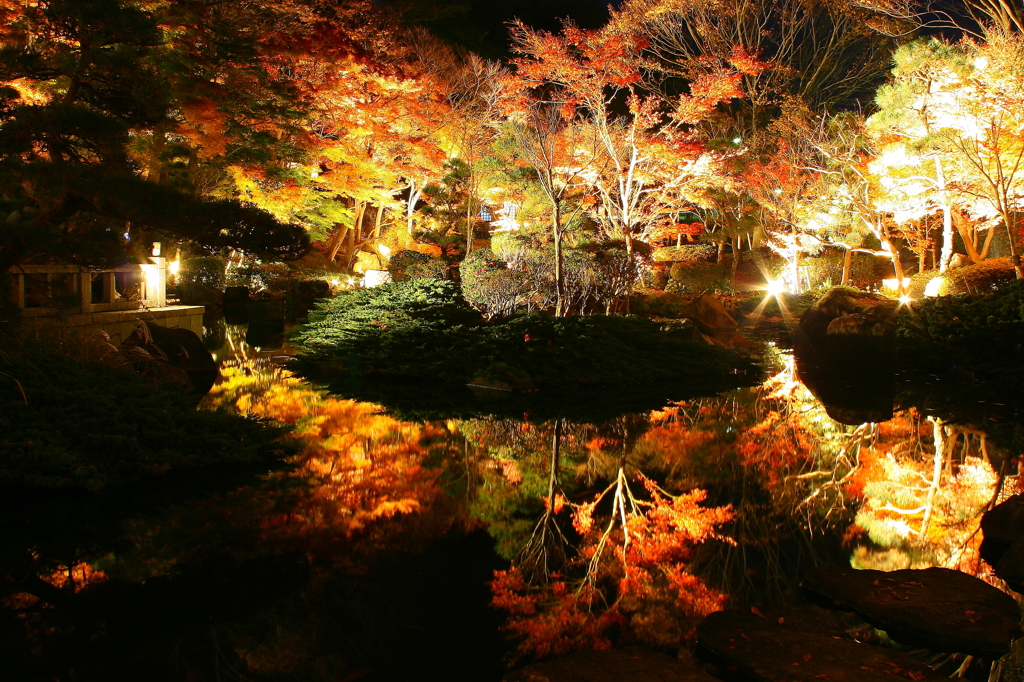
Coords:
pixel 424 331
pixel 919 282
pixel 391 330
pixel 256 275
pixel 696 278
pixel 980 333
pixel 206 270
pixel 408 265
pixel 65 424
pixel 655 276
pixel 827 271
pixel 687 253
pixel 490 286
pixel 981 278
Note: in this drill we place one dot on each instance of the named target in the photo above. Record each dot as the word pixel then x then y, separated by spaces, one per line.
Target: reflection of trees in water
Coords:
pixel 923 486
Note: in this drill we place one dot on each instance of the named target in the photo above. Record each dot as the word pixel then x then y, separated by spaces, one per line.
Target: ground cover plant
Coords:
pixel 89 426
pixel 423 331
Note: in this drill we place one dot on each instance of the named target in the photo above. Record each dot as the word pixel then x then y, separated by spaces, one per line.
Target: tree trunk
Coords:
pixel 1012 241
pixel 556 225
pixel 847 266
pixel 737 243
pixel 947 218
pixel 938 436
pixel 410 207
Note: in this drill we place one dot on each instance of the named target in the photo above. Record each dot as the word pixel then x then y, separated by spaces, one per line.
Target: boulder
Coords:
pixel 845 350
pixel 1002 547
pixel 934 608
pixel 786 644
pixel 713 320
pixel 632 664
pixel 236 299
pixel 193 293
pixel 179 348
pixel 267 315
pixel 308 292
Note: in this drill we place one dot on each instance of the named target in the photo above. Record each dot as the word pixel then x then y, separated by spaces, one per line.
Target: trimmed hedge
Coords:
pixel 206 270
pixel 696 278
pixel 408 265
pixel 686 253
pixel 424 331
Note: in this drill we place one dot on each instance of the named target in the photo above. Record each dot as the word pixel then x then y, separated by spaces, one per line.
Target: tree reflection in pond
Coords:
pixel 625 530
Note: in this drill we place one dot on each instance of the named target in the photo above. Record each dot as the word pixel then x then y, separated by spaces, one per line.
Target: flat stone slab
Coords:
pixel 631 664
pixel 935 608
pixel 786 645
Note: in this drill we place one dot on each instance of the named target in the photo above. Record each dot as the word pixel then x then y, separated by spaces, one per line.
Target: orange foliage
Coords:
pixel 628 579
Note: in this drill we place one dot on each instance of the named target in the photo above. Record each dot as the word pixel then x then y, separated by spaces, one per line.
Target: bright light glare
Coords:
pixel 934 286
pixel 893 283
pixel 384 250
pixel 776 287
pixel 173 267
pixel 904 299
pixel 737 140
pixel 335 282
pixel 351 281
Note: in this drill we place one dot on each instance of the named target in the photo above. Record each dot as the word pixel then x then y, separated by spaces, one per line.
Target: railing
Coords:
pixel 70 289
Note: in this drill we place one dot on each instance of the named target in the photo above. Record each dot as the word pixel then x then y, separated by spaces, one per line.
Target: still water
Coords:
pixel 450 548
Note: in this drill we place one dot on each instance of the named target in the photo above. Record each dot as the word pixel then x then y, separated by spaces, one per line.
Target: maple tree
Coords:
pixel 94 78
pixel 630 574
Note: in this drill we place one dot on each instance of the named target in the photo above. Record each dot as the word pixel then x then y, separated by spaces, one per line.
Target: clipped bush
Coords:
pixel 696 278
pixel 980 278
pixel 827 271
pixel 919 282
pixel 408 265
pixel 208 271
pixel 655 276
pixel 979 333
pixel 687 253
pixel 424 331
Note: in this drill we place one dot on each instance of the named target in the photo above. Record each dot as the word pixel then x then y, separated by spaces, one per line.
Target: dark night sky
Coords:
pixel 481 25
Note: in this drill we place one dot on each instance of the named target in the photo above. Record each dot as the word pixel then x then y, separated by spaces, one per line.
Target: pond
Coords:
pixel 452 547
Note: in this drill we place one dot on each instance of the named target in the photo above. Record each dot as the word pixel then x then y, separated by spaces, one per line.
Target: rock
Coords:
pixel 935 608
pixel 632 664
pixel 845 349
pixel 799 645
pixel 366 261
pixel 182 348
pixel 1002 528
pixel 308 292
pixel 713 319
pixel 193 293
pixel 267 315
pixel 236 299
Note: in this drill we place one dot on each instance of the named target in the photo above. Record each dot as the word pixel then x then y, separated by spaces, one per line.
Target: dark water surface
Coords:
pixel 374 555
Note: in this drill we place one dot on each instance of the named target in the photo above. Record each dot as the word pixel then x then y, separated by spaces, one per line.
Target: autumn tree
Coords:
pixel 81 79
pixel 824 54
pixel 629 576
pixel 652 167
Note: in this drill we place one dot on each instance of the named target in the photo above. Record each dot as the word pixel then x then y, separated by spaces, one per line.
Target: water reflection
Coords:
pixel 385 534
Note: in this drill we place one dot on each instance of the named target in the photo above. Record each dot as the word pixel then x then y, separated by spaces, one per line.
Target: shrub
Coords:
pixel 980 278
pixel 424 331
pixel 827 271
pixel 686 253
pixel 919 282
pixel 67 424
pixel 206 270
pixel 408 265
pixel 975 332
pixel 655 276
pixel 256 275
pixel 490 286
pixel 392 329
pixel 698 278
